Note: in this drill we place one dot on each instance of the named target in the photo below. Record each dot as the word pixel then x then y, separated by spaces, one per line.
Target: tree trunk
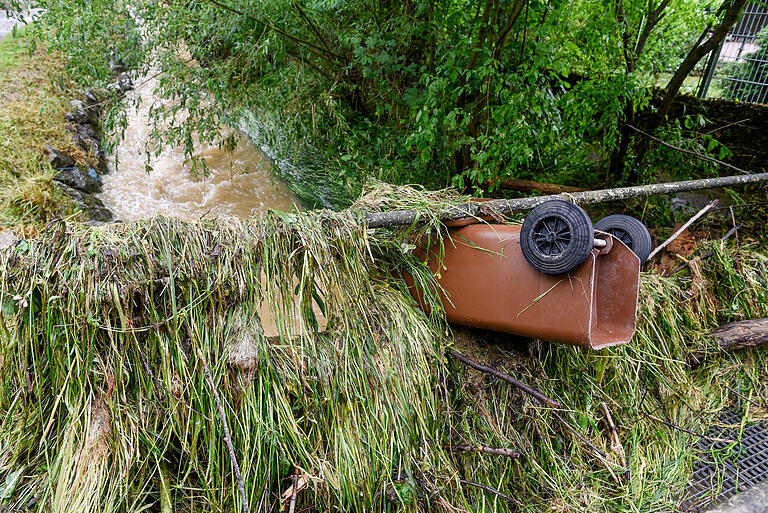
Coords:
pixel 694 56
pixel 741 334
pixel 631 56
pixel 462 157
pixel 698 53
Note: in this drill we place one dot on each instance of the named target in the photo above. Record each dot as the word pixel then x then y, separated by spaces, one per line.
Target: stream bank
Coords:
pixel 32 110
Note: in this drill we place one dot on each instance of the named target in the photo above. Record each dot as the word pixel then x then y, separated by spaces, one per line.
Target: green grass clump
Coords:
pixel 329 372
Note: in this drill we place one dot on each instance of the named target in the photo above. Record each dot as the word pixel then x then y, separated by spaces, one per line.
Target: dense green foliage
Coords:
pixel 448 92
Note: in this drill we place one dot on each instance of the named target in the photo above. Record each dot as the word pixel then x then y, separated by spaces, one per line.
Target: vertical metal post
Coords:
pixel 709 71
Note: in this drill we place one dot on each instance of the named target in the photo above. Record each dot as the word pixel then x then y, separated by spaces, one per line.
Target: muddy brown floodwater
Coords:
pixel 240 183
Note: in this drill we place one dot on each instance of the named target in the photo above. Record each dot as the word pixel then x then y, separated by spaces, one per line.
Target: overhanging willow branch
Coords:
pixel 267 23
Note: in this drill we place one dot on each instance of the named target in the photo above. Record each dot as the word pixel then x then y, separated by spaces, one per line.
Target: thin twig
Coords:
pixel 680 428
pixel 162 385
pixel 580 436
pixel 267 23
pixel 609 421
pixel 762 398
pixel 311 25
pixel 730 232
pixel 600 454
pixel 724 127
pixel 616 444
pixel 227 436
pixel 498 451
pixel 488 489
pixel 294 493
pixel 687 152
pixel 700 213
pixel 744 397
pixel 505 377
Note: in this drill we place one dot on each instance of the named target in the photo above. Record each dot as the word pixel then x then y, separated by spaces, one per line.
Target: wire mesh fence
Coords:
pixel 738 68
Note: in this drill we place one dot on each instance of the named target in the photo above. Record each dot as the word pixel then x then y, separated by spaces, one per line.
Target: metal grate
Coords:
pixel 726 469
pixel 738 68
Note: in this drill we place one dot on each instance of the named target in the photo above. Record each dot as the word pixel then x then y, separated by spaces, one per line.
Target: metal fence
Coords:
pixel 738 68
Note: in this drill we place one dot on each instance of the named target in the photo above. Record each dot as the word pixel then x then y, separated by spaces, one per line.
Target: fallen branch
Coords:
pixel 498 451
pixel 675 235
pixel 505 377
pixel 508 206
pixel 741 334
pixel 227 436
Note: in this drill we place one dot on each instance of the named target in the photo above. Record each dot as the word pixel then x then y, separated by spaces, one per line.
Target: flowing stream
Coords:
pixel 240 183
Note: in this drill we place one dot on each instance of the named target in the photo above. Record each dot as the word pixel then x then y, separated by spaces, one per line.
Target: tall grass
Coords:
pixel 105 406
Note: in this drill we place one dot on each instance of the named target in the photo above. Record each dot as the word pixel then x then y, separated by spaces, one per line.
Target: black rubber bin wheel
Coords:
pixel 557 237
pixel 630 231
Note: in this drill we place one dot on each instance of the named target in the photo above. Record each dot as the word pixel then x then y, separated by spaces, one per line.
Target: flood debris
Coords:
pixel 244 353
pixel 742 334
pixel 121 322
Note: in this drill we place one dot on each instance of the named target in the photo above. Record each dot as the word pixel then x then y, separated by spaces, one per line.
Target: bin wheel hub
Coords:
pixel 622 235
pixel 552 236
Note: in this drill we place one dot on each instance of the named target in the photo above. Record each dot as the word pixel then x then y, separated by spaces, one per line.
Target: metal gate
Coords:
pixel 738 68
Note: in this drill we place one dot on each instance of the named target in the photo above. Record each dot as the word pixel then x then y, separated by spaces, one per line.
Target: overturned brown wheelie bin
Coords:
pixel 555 278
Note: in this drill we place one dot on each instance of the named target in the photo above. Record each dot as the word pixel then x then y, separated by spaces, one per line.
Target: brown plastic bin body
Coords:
pixel 487 283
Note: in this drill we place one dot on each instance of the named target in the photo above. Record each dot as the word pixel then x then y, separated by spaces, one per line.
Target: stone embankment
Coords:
pixel 80 182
